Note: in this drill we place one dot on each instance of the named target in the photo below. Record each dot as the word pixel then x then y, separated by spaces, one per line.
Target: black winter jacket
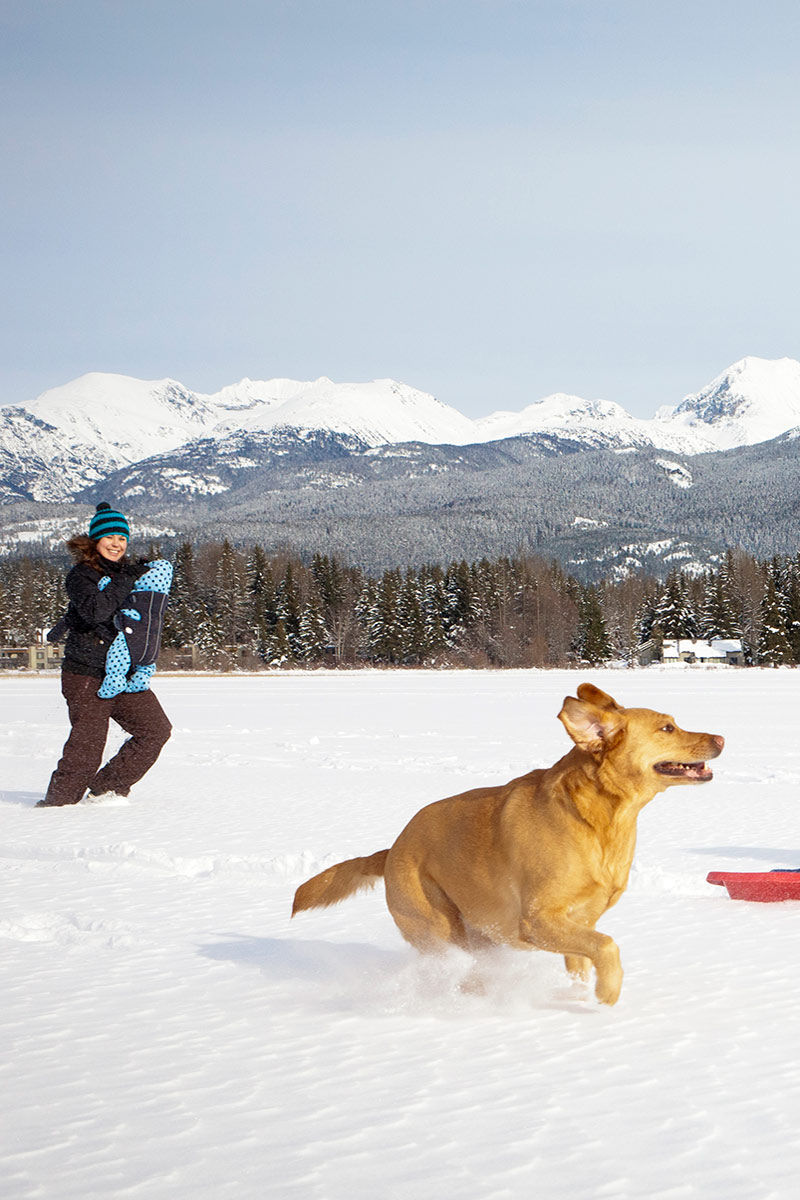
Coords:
pixel 90 615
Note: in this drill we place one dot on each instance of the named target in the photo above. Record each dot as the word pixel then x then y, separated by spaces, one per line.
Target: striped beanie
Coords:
pixel 106 521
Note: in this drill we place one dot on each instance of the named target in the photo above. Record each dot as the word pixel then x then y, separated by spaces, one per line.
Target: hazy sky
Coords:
pixel 490 200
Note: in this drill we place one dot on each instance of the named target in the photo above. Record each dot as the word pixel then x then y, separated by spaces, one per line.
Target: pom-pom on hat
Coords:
pixel 107 521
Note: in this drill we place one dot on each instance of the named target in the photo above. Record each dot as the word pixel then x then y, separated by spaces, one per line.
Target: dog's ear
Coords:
pixel 593 695
pixel 591 728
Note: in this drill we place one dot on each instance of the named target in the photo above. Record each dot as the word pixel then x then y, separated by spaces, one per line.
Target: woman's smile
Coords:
pixel 113 546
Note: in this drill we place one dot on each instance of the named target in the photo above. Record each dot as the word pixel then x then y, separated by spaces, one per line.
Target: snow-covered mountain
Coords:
pixel 753 401
pixel 124 419
pixel 72 437
pixel 378 413
pixel 597 424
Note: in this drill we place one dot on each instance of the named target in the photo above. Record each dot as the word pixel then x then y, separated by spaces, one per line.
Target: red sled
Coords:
pixel 780 884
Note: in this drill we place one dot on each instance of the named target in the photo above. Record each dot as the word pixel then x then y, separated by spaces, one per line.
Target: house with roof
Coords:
pixel 39 657
pixel 720 652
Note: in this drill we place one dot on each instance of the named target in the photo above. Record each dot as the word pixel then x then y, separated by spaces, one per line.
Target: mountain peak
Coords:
pixel 100 422
pixel 378 413
pixel 753 400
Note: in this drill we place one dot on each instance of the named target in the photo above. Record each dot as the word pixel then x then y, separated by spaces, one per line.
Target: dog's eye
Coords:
pixel 667 728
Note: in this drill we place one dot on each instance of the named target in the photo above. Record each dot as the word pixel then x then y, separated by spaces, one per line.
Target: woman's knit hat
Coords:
pixel 106 521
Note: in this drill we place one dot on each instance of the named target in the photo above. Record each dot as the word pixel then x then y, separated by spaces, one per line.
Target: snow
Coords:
pixel 50 533
pixel 678 473
pixel 69 436
pixel 129 418
pixel 250 393
pixel 379 413
pixel 551 414
pixel 674 650
pixel 752 401
pixel 650 547
pixel 599 421
pixel 167 1032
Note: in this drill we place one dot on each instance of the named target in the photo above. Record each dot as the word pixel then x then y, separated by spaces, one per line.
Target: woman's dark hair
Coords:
pixel 84 550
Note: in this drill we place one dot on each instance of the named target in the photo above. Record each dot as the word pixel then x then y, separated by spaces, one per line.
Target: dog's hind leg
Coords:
pixel 424 914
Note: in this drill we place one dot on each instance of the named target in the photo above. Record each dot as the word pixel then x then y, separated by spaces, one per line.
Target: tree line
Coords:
pixel 250 609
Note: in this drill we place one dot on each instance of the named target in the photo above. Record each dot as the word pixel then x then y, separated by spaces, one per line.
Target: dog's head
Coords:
pixel 638 742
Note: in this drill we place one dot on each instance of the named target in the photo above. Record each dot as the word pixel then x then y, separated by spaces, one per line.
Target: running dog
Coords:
pixel 535 863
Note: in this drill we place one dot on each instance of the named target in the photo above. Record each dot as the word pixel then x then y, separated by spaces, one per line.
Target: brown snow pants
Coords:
pixel 139 714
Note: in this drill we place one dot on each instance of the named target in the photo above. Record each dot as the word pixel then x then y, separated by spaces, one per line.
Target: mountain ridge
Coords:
pixel 102 422
pixel 575 480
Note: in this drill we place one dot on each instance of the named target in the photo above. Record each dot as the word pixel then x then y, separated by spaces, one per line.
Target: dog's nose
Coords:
pixel 718 741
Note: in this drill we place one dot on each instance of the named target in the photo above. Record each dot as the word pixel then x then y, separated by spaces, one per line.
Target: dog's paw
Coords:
pixel 607 989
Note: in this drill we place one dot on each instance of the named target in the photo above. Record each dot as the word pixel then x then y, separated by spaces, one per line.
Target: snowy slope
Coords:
pixel 378 413
pixel 596 423
pixel 72 436
pixel 34 458
pixel 252 393
pixel 127 418
pixel 752 401
pixel 139 418
pixel 168 1033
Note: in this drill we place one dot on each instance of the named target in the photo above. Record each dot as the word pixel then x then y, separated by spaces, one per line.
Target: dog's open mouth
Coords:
pixel 697 771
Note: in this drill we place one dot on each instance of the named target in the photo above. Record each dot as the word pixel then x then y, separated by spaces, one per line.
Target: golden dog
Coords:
pixel 533 864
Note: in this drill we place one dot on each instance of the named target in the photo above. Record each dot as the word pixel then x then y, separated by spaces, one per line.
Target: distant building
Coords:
pixel 41 657
pixel 721 652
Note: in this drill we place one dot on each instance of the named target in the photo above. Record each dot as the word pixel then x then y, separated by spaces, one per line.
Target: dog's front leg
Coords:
pixel 578 965
pixel 553 931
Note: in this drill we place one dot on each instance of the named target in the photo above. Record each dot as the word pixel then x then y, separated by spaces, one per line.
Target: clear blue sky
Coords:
pixel 490 200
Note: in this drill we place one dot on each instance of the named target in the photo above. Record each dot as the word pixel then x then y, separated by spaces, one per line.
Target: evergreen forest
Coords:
pixel 245 609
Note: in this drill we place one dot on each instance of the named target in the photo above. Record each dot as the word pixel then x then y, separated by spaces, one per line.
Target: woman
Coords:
pixel 98 586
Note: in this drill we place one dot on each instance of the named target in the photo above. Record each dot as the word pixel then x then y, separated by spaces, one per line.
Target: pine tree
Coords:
pixel 210 641
pixel 483 598
pixel 313 636
pixel 621 606
pixel 5 613
pixel 384 632
pixel 257 575
pixel 718 616
pixel 459 602
pixel 366 608
pixel 230 596
pixel 432 602
pixel 261 603
pixel 410 620
pixel 289 608
pixel 330 580
pixel 774 647
pixel 674 614
pixel 506 588
pixel 273 647
pixel 33 601
pixel 592 645
pixel 339 589
pixel 729 609
pixel 792 607
pixel 183 613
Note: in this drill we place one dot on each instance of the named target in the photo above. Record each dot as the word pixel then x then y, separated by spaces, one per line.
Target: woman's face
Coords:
pixel 112 547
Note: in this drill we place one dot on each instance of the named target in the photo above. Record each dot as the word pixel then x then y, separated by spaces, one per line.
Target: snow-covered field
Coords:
pixel 167 1033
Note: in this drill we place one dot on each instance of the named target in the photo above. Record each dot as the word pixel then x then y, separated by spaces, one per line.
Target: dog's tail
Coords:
pixel 339 881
